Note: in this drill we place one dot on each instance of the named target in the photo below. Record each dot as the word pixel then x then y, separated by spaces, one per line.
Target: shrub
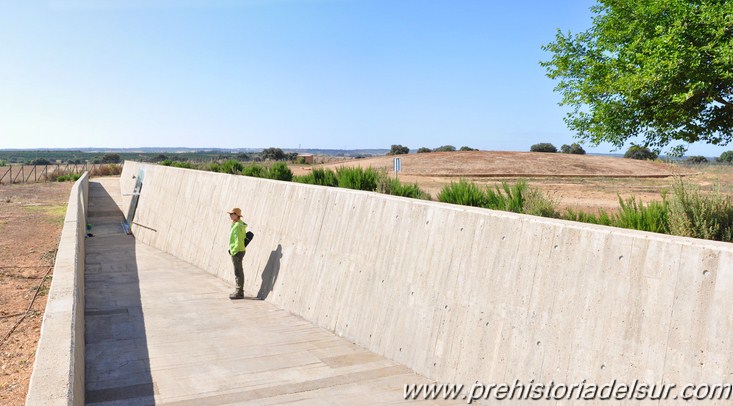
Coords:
pixel 254 170
pixel 214 167
pixel 634 215
pixel 445 148
pixel 3 162
pixel 518 197
pixel 232 167
pixel 167 162
pixel 696 159
pixel 318 176
pixel 537 203
pixel 393 186
pixel 106 170
pixel 698 215
pixel 603 218
pixel 726 157
pixel 573 148
pixel 398 150
pixel 464 148
pixel 70 177
pixel 186 165
pixel 543 147
pixel 357 178
pixel 280 171
pixel 423 150
pixel 463 192
pixel 639 152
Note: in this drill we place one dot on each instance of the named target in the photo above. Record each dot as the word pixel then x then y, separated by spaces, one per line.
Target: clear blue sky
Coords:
pixel 342 74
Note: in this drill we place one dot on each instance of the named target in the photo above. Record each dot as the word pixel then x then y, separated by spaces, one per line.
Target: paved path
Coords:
pixel 161 331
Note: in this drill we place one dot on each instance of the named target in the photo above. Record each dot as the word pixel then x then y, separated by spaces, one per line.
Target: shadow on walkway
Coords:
pixel 117 360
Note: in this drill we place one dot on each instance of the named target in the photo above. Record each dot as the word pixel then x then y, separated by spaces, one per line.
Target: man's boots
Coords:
pixel 237 294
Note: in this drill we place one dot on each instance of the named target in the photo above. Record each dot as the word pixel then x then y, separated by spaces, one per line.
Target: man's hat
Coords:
pixel 236 211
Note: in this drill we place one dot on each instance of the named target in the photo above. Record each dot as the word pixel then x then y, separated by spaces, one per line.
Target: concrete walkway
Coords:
pixel 161 331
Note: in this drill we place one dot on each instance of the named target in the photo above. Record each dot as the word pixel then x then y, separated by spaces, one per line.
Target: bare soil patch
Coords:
pixel 31 219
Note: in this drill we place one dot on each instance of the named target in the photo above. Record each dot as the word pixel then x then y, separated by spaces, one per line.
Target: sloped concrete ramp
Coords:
pixel 161 331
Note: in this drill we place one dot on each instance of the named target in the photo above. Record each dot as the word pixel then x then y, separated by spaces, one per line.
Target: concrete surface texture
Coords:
pixel 161 331
pixel 58 369
pixel 457 294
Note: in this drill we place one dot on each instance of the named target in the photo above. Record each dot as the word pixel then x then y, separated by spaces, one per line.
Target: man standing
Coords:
pixel 236 250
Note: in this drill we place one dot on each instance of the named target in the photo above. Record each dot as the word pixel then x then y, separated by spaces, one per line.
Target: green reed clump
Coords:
pixel 393 186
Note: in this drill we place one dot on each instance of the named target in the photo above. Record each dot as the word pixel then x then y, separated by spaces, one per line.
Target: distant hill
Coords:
pixel 517 164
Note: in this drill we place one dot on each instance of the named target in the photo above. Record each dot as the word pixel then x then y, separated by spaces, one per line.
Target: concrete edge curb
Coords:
pixel 58 369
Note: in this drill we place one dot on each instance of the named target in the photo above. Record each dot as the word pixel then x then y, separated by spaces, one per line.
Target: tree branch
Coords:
pixel 724 102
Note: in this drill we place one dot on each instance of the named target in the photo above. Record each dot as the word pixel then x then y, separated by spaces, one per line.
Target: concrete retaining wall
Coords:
pixel 459 294
pixel 58 371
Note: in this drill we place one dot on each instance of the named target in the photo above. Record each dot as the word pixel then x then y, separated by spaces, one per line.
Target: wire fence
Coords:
pixel 50 173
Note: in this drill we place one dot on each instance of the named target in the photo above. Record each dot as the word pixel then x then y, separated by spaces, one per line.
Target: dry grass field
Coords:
pixel 581 182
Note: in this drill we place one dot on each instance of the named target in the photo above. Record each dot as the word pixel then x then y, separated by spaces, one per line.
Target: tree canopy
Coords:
pixel 398 149
pixel 275 154
pixel 661 70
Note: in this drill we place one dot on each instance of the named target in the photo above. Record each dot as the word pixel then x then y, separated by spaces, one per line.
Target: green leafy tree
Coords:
pixel 543 147
pixel 696 159
pixel 573 148
pixel 639 152
pixel 727 157
pixel 423 150
pixel 445 148
pixel 111 159
pixel 275 154
pixel 40 161
pixel 398 150
pixel 657 69
pixel 464 148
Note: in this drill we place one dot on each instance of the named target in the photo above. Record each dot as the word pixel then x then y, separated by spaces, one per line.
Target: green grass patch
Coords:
pixel 54 214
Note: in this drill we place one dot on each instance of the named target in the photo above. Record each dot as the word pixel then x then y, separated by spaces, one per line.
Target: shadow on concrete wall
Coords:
pixel 269 274
pixel 116 349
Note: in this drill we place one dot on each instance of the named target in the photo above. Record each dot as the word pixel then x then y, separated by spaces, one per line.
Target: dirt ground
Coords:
pixel 31 218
